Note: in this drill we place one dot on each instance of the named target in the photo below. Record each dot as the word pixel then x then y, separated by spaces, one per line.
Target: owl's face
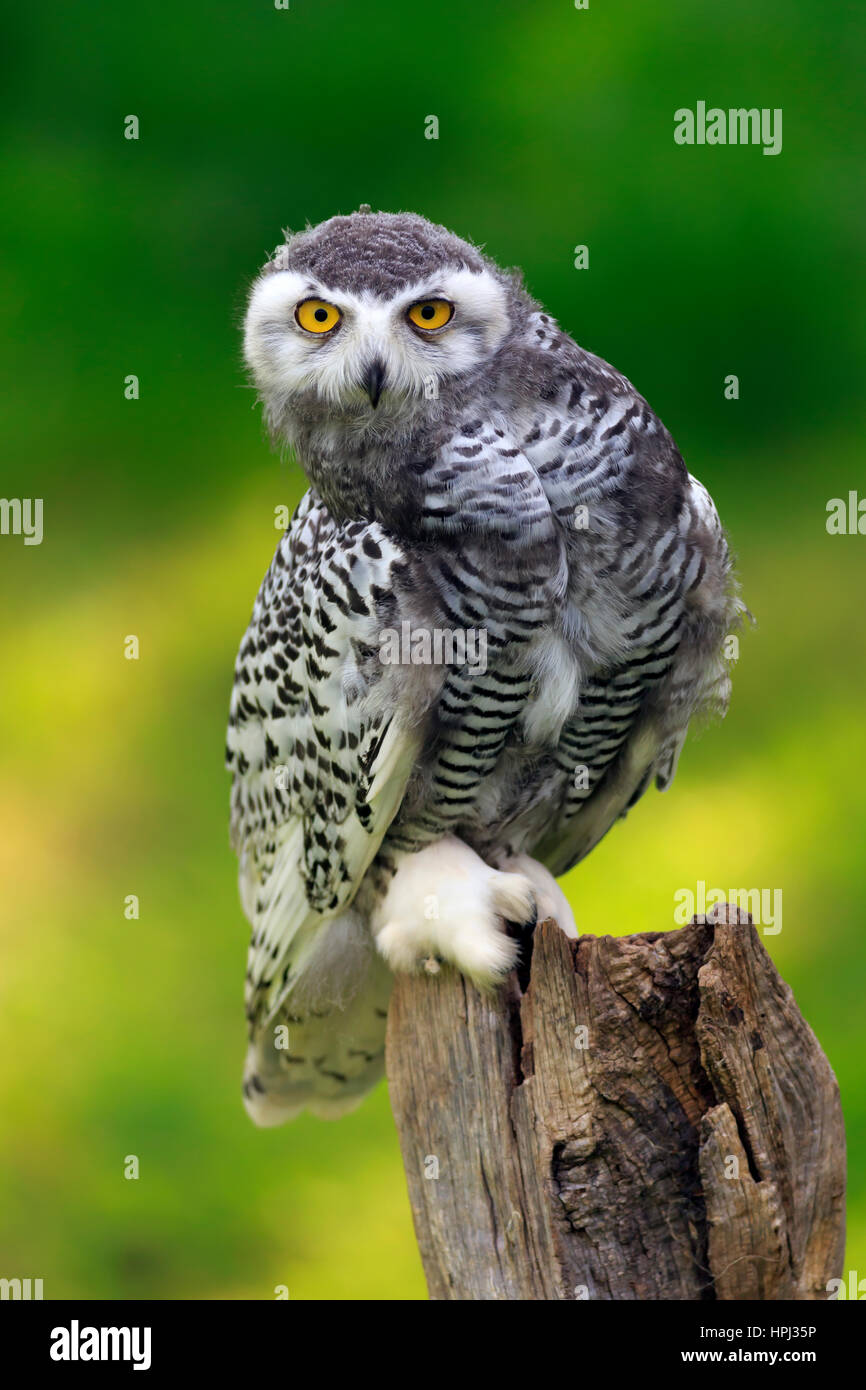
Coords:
pixel 370 320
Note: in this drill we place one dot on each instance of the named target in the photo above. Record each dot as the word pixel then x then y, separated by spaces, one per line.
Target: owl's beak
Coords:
pixel 374 381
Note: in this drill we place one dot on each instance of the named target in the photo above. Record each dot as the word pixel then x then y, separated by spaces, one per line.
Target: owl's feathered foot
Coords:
pixel 445 903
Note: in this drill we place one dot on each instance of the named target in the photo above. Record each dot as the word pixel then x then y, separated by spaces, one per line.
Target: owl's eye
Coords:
pixel 316 316
pixel 431 313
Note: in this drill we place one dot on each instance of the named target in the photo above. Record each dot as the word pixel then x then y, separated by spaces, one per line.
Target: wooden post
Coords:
pixel 651 1119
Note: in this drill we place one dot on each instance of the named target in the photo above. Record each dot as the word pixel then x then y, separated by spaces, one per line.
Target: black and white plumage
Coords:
pixel 472 470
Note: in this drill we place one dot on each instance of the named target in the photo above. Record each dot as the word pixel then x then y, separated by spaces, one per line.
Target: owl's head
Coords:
pixel 373 320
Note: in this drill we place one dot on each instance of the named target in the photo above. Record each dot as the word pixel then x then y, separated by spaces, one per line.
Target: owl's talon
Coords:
pixel 549 897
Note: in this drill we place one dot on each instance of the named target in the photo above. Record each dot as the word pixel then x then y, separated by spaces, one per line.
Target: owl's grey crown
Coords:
pixel 383 252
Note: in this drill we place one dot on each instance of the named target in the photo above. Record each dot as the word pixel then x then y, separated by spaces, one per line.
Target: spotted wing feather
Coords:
pixel 320 754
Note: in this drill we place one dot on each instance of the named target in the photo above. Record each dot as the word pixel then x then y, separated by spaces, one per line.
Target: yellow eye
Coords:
pixel 431 313
pixel 316 316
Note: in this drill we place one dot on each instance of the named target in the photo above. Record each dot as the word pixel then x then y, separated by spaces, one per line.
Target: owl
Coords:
pixel 481 638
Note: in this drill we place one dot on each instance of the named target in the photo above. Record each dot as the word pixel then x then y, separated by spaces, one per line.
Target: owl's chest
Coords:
pixel 505 672
pixel 513 653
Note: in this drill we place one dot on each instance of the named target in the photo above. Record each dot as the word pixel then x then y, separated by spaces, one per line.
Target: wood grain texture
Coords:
pixel 651 1119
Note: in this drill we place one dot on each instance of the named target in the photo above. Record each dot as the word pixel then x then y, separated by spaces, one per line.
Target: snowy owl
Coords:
pixel 481 638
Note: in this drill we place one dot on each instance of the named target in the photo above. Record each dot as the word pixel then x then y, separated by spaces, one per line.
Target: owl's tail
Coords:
pixel 324 1048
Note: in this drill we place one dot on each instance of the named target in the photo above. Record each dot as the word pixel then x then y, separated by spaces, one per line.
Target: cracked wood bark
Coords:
pixel 651 1119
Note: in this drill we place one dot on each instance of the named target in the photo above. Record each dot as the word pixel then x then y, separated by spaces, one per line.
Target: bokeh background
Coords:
pixel 122 1037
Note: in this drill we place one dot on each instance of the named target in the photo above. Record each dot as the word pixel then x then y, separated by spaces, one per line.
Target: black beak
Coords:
pixel 374 381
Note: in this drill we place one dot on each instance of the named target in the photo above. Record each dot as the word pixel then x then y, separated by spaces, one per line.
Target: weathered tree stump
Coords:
pixel 651 1119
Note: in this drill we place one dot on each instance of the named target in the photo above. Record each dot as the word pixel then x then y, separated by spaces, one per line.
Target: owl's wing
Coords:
pixel 633 717
pixel 320 760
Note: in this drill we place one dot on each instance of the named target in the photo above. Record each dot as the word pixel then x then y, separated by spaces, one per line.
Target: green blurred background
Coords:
pixel 125 1037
